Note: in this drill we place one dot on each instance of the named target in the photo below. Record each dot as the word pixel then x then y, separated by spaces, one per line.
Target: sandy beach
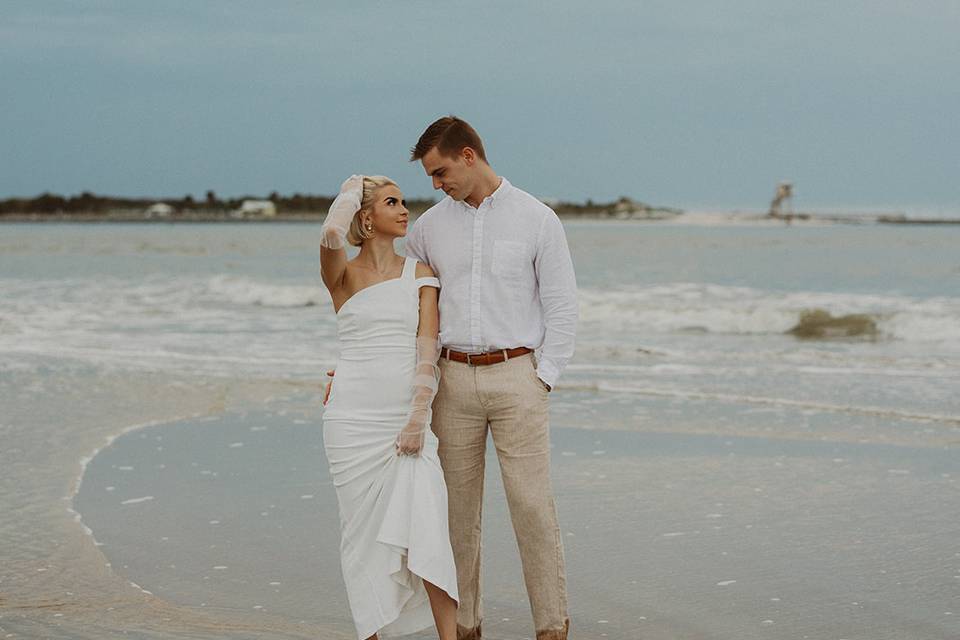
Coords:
pixel 227 518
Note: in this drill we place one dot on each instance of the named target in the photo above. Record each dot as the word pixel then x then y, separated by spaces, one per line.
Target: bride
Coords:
pixel 395 547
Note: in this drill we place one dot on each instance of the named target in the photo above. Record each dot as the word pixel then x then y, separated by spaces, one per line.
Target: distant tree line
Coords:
pixel 87 202
pixel 212 206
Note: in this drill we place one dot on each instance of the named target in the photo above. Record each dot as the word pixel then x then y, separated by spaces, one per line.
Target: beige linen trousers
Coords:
pixel 510 400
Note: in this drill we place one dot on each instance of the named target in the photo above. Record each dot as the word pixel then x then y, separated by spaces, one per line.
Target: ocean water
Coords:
pixel 666 310
pixel 159 409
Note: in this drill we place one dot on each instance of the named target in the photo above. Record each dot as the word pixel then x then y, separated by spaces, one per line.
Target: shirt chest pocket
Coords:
pixel 509 258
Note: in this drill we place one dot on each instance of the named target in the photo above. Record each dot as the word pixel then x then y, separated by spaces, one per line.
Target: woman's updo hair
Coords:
pixel 356 234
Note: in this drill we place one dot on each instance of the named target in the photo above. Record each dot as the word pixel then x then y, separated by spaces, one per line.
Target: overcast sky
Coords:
pixel 695 104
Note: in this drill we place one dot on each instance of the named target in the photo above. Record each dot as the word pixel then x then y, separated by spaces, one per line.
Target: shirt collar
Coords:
pixel 500 192
pixel 495 198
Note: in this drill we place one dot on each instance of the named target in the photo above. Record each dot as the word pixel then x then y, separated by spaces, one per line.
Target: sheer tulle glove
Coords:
pixel 426 380
pixel 341 212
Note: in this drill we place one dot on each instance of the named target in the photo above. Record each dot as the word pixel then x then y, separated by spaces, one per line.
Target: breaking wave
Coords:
pixel 716 309
pixel 245 291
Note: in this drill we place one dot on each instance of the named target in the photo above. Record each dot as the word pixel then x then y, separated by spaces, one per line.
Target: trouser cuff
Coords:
pixel 554 634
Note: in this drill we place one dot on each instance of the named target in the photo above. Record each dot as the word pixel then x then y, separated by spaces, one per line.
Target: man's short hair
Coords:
pixel 449 135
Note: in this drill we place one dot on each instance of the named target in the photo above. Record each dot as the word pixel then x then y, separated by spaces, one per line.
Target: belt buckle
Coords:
pixel 474 355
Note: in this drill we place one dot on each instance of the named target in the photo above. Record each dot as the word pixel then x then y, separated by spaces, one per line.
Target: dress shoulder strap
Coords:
pixel 428 282
pixel 409 269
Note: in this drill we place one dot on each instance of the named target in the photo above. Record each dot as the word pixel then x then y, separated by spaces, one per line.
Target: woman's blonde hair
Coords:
pixel 356 234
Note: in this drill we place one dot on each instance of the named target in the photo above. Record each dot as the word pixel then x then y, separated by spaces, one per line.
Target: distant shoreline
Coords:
pixel 317 217
pixel 307 208
pixel 89 207
pixel 96 218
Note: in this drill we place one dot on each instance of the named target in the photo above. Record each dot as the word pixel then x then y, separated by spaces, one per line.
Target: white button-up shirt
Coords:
pixel 505 273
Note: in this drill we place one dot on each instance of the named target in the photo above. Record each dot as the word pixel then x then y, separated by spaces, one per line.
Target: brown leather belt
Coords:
pixel 479 359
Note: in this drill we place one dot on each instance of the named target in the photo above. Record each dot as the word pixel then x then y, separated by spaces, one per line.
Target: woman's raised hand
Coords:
pixel 341 212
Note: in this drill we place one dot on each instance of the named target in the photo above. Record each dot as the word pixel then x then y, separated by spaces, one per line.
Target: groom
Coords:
pixel 508 290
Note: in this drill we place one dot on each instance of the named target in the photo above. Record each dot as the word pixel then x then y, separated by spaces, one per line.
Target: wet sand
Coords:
pixel 669 532
pixel 55 582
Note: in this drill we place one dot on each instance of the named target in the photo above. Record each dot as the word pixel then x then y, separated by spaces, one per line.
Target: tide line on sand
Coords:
pixel 85 461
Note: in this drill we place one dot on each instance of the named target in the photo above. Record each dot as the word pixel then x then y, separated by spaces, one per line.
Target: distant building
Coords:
pixel 263 208
pixel 625 208
pixel 159 210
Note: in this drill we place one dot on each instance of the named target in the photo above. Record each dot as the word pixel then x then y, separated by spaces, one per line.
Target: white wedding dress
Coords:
pixel 393 509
